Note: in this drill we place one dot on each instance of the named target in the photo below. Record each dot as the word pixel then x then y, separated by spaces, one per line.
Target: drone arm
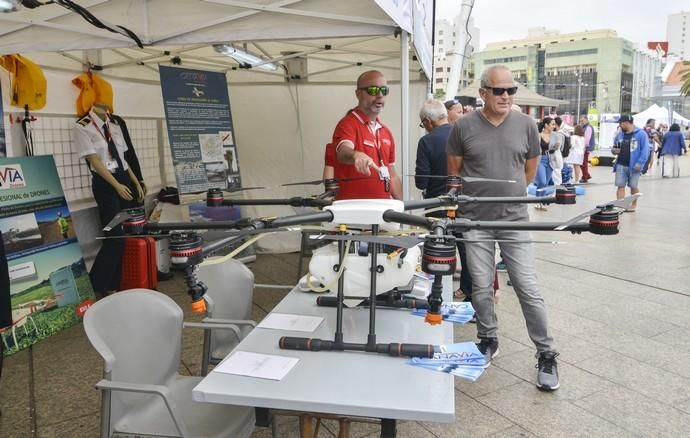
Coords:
pixel 428 203
pixel 168 226
pixel 309 218
pixel 465 225
pixel 406 219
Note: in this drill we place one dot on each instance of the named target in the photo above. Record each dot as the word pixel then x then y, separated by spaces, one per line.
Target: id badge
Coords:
pixel 633 144
pixel 384 173
pixel 111 165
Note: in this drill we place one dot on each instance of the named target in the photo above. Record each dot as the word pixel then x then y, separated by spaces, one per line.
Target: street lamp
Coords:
pixel 579 92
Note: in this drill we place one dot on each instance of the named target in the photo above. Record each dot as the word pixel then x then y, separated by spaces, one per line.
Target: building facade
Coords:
pixel 588 69
pixel 445 52
pixel 647 66
pixel 678 35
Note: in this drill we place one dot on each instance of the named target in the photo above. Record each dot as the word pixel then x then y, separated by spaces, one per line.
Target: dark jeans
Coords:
pixel 107 267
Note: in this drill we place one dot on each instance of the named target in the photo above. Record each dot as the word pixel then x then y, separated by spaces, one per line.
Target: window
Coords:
pixel 505 60
pixel 440 32
pixel 448 69
pixel 439 69
pixel 440 41
pixel 572 53
pixel 439 80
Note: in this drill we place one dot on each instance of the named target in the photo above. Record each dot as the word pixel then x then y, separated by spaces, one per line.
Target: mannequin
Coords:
pixel 115 187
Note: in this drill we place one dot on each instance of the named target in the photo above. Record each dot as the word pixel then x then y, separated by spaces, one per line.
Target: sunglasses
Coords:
pixel 373 90
pixel 496 91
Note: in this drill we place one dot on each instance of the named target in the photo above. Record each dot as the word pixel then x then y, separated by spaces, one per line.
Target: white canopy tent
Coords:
pixel 524 96
pixel 661 115
pixel 284 118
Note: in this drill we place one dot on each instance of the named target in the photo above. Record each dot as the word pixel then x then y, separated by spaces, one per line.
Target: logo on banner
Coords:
pixel 11 177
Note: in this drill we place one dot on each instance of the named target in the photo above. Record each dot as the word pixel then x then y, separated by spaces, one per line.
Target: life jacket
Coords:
pixel 28 86
pixel 93 89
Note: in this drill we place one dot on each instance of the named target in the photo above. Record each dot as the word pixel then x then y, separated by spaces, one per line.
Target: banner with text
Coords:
pixel 200 129
pixel 49 286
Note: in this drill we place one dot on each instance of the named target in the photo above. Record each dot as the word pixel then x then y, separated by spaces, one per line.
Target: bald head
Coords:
pixel 368 76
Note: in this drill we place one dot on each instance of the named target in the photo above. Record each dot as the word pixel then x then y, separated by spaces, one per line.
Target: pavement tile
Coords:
pixel 575 382
pixel 543 414
pixel 683 406
pixel 651 381
pixel 627 320
pixel 678 338
pixel 88 425
pixel 14 396
pixel 492 379
pixel 357 429
pixel 513 432
pixel 66 368
pixel 471 419
pixel 573 348
pixel 636 413
pixel 571 323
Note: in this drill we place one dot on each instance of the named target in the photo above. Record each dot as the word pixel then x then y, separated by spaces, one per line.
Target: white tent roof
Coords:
pixel 524 96
pixel 333 35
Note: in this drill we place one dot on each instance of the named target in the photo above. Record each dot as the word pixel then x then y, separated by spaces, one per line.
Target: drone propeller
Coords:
pixel 624 203
pixel 317 182
pixel 468 179
pixel 203 192
pixel 411 241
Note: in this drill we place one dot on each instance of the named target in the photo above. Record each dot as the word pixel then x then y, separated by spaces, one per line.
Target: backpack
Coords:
pixel 566 146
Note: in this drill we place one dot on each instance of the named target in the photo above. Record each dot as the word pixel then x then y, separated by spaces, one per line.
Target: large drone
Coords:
pixel 437 253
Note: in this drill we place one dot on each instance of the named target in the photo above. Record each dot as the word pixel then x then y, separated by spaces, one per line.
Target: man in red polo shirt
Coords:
pixel 364 147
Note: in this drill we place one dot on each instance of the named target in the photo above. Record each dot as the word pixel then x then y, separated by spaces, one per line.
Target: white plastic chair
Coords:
pixel 138 333
pixel 229 300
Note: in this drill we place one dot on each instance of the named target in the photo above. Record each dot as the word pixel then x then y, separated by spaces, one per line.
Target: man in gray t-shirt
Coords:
pixel 498 152
pixel 496 142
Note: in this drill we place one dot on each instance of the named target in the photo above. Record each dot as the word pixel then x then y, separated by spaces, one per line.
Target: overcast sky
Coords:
pixel 499 20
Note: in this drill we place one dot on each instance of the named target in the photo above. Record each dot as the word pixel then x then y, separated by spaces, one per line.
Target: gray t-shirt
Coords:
pixel 497 152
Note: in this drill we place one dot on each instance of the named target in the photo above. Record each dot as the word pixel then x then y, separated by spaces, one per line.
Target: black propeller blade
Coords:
pixel 469 179
pixel 624 203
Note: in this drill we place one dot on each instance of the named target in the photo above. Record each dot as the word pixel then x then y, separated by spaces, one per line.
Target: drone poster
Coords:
pixel 49 285
pixel 200 129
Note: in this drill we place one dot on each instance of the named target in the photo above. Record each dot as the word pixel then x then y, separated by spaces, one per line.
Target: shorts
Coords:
pixel 624 177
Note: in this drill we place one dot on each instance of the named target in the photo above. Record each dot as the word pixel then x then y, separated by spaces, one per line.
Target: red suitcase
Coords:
pixel 139 268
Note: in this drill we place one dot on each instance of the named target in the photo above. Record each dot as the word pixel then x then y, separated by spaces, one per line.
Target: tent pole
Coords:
pixel 405 111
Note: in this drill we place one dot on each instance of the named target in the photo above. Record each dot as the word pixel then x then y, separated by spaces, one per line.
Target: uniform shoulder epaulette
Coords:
pixel 84 121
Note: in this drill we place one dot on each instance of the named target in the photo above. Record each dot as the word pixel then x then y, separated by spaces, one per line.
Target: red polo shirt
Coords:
pixel 372 138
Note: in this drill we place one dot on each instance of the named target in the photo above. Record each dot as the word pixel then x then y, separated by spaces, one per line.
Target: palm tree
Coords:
pixel 685 88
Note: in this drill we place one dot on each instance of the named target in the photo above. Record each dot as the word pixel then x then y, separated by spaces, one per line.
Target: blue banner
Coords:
pixel 200 129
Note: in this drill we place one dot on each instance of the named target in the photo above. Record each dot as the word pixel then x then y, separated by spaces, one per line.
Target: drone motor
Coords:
pixel 604 223
pixel 214 198
pixel 565 195
pixel 185 250
pixel 438 257
pixel 134 225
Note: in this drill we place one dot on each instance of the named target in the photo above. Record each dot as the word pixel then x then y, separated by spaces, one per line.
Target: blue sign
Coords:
pixel 200 129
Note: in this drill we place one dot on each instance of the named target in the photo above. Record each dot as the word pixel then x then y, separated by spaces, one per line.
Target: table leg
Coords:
pixel 344 431
pixel 388 428
pixel 302 249
pixel 306 426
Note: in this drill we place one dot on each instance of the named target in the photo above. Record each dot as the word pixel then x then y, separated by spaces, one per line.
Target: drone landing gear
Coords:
pixel 392 349
pixel 393 299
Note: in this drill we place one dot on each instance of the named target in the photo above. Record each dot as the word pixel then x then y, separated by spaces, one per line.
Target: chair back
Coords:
pixel 138 334
pixel 230 295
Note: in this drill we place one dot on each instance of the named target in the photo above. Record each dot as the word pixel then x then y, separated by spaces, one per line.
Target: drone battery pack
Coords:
pixel 139 268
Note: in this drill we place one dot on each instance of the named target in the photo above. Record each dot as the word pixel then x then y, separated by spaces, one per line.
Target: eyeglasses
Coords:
pixel 421 124
pixel 373 90
pixel 497 91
